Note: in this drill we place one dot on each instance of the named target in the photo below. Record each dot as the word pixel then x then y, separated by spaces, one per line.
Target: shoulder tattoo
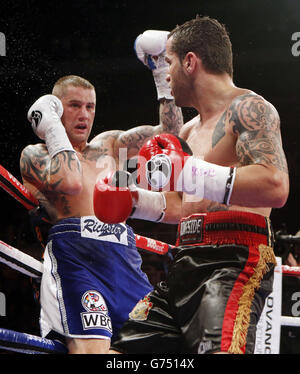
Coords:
pixel 33 163
pixel 257 126
pixel 36 166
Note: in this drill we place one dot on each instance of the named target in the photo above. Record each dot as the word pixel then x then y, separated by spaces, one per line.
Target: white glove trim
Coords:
pixel 150 206
pixel 206 180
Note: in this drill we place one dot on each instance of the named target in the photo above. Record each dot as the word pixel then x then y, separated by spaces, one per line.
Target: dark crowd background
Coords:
pixel 94 39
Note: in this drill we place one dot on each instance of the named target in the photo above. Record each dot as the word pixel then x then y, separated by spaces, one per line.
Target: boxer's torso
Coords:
pixel 214 141
pixel 97 159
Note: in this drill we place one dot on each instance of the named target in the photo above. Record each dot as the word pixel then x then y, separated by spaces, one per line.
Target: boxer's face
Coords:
pixel 79 112
pixel 176 78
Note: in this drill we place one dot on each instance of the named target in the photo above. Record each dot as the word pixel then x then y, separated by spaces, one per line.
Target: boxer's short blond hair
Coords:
pixel 60 86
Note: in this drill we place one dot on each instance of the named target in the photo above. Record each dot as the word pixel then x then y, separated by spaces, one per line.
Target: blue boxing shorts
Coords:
pixel 92 279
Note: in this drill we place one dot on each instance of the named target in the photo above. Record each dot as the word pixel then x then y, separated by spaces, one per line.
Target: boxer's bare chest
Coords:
pixel 213 140
pixel 97 161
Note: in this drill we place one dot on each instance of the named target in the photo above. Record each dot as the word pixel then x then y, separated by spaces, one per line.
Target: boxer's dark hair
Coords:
pixel 208 39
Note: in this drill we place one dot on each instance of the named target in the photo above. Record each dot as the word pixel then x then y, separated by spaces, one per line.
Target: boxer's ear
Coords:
pixel 190 62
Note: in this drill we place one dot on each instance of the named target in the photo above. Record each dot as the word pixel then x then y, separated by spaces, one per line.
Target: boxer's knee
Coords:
pixel 88 346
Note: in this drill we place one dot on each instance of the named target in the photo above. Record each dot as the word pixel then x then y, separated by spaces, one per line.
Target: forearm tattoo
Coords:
pixel 171 121
pixel 171 118
pixel 257 126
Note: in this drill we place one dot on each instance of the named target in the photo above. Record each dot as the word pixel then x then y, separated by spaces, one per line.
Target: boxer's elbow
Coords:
pixel 68 184
pixel 72 186
pixel 65 173
pixel 279 187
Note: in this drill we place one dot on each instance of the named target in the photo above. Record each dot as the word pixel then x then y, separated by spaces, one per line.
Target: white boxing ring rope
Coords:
pixel 20 261
pixel 24 263
pixel 290 321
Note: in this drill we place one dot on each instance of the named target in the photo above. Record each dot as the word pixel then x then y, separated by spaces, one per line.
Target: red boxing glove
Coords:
pixel 113 198
pixel 160 162
pixel 116 198
pixel 166 163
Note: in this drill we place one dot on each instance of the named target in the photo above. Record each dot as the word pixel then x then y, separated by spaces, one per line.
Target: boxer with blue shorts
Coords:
pixel 92 278
pixel 92 275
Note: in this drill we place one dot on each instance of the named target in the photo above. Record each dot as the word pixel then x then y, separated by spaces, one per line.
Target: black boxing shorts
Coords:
pixel 215 289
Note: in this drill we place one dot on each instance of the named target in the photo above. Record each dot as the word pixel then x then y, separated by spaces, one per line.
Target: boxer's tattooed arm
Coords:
pixel 134 139
pixel 257 126
pixel 46 174
pixel 64 160
pixel 33 164
pixel 171 121
pixel 216 207
pixel 94 154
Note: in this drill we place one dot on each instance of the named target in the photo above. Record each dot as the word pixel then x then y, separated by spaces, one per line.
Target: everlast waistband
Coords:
pixel 225 227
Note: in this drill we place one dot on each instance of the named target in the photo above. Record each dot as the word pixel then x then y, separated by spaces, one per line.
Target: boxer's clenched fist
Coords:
pixel 150 47
pixel 166 164
pixel 161 161
pixel 44 116
pixel 116 198
pixel 113 200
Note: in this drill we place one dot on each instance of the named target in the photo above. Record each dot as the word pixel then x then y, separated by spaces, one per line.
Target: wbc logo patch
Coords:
pixel 92 301
pixel 96 316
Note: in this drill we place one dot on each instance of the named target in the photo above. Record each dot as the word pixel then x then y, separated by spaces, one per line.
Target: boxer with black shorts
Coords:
pixel 220 181
pixel 92 270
